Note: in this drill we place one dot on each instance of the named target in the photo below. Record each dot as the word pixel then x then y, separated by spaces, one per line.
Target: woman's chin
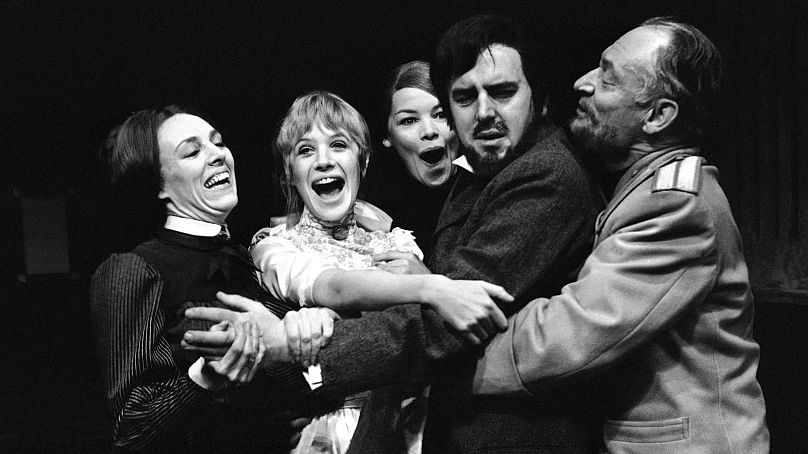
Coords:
pixel 330 212
pixel 436 176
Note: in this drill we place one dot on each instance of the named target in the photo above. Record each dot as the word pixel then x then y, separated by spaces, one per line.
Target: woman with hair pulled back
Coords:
pixel 416 128
pixel 138 298
pixel 416 125
pixel 323 256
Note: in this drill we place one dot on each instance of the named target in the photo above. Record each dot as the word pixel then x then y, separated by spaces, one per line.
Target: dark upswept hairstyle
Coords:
pixel 332 112
pixel 466 40
pixel 413 74
pixel 686 71
pixel 131 155
pixel 131 152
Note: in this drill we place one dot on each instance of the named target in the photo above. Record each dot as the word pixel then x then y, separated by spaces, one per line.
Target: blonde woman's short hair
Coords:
pixel 332 112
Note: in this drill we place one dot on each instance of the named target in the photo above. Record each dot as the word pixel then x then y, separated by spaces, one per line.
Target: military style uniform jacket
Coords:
pixel 662 310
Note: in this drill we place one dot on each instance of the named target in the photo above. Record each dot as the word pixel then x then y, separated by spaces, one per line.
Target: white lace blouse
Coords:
pixel 291 259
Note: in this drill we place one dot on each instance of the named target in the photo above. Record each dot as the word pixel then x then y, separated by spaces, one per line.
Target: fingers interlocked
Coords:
pixel 242 359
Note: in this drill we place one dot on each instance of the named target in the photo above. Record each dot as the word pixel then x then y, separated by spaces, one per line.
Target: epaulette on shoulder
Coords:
pixel 679 175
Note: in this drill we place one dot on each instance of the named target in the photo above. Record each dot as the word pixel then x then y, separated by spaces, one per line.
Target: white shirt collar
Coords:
pixel 462 162
pixel 194 227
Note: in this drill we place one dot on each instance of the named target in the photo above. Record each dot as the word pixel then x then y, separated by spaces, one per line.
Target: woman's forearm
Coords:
pixel 372 290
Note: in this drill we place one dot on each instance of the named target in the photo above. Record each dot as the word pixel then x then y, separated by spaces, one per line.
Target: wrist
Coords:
pixel 429 289
pixel 276 348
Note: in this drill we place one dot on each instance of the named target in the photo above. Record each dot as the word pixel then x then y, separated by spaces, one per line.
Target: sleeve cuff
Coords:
pixel 314 377
pixel 205 381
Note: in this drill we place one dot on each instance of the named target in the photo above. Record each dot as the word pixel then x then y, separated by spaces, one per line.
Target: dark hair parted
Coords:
pixel 465 41
pixel 687 71
pixel 332 112
pixel 413 74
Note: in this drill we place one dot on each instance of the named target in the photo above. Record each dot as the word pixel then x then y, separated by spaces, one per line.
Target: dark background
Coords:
pixel 73 71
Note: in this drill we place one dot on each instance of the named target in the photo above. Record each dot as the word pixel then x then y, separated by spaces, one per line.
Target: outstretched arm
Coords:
pixel 636 283
pixel 310 279
pixel 400 345
pixel 468 306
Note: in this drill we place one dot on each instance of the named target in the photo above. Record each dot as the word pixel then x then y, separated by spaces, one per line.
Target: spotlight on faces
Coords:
pixel 324 166
pixel 419 132
pixel 197 169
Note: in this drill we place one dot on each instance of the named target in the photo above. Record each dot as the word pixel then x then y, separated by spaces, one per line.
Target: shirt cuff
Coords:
pixel 206 381
pixel 314 377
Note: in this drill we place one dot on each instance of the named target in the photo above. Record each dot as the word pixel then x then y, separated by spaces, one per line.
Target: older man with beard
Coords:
pixel 662 309
pixel 520 215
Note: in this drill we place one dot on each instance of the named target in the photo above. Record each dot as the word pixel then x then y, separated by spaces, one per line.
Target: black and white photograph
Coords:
pixel 404 227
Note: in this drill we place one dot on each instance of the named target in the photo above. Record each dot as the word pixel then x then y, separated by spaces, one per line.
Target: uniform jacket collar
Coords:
pixel 639 172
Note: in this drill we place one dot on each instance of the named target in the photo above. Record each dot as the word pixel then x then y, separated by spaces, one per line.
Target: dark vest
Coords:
pixel 240 418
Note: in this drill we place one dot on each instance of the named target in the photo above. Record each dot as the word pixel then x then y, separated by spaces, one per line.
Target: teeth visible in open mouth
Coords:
pixel 433 155
pixel 219 178
pixel 328 186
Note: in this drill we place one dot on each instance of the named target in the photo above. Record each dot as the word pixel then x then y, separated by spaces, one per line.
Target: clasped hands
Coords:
pixel 244 338
pixel 248 335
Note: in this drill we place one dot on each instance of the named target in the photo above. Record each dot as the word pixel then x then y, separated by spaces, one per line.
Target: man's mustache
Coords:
pixel 498 127
pixel 585 109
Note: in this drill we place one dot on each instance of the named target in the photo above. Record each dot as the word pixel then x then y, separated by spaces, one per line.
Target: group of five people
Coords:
pixel 523 336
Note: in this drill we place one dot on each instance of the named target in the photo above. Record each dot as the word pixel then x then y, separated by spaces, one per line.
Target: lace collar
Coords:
pixel 338 230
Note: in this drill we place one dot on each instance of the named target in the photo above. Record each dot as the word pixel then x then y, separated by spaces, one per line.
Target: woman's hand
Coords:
pixel 469 307
pixel 241 361
pixel 218 343
pixel 307 331
pixel 399 262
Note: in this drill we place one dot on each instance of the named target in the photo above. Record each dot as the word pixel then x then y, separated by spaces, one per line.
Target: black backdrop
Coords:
pixel 71 71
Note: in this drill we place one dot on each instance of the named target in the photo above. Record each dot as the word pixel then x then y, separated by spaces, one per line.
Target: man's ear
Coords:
pixel 386 142
pixel 542 111
pixel 662 114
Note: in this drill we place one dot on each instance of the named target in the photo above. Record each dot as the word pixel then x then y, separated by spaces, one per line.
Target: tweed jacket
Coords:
pixel 527 229
pixel 662 311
